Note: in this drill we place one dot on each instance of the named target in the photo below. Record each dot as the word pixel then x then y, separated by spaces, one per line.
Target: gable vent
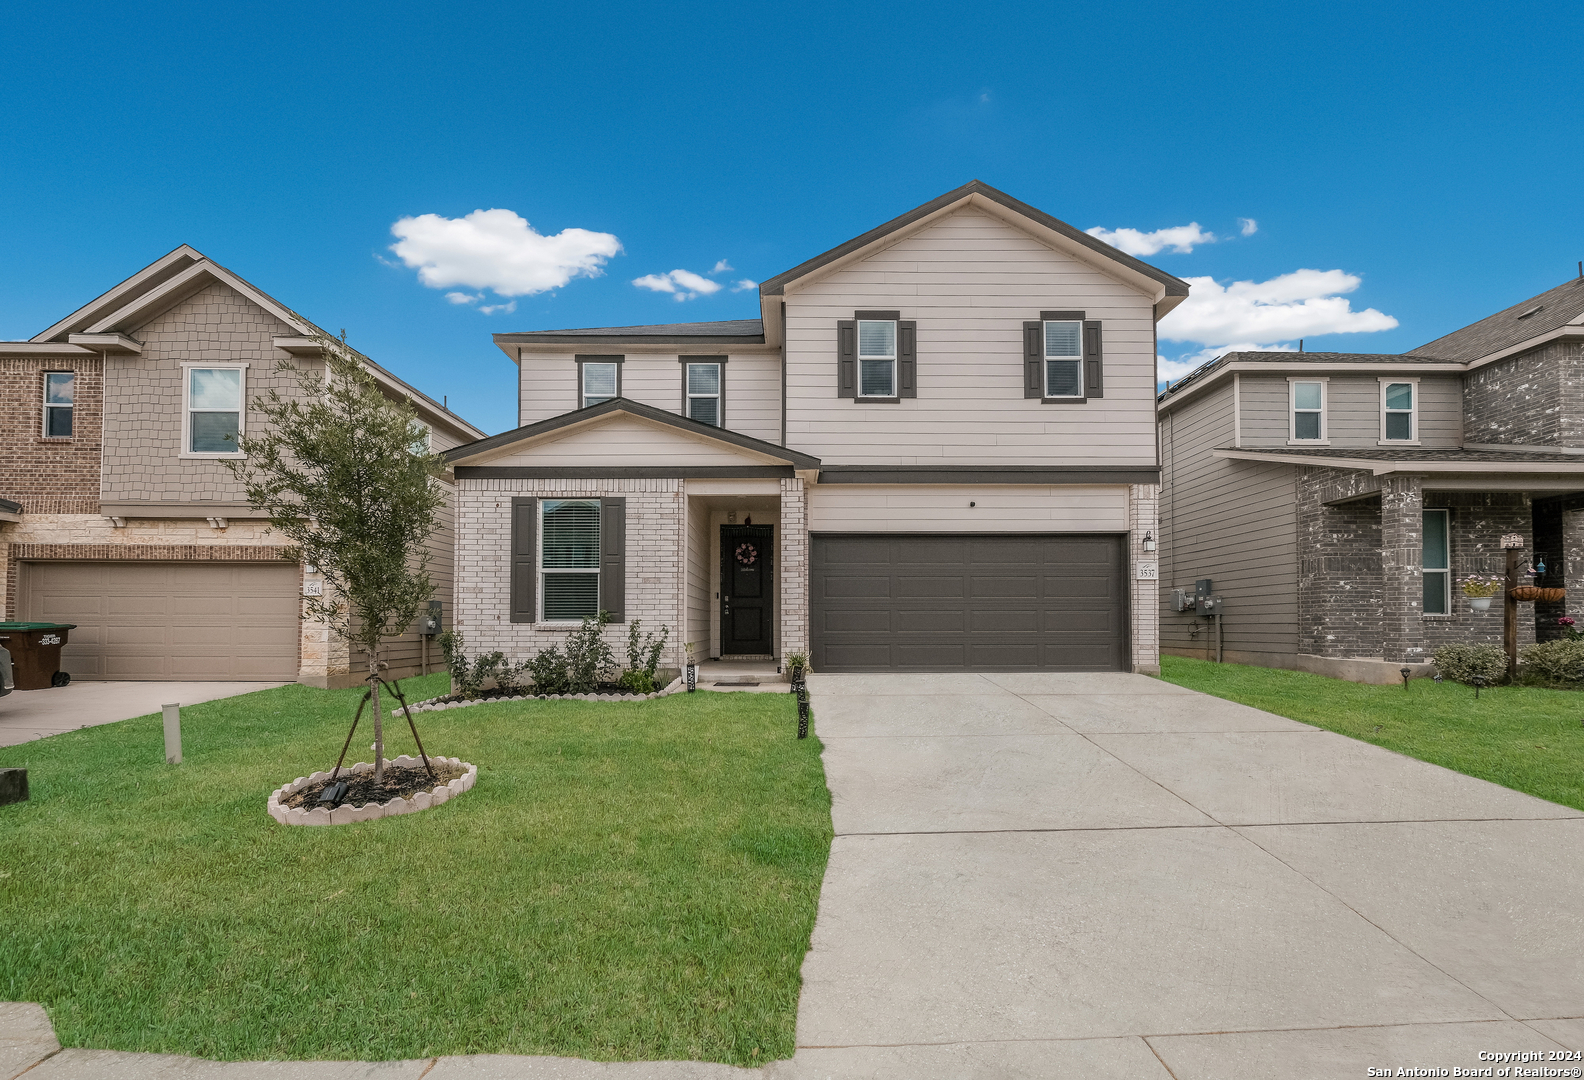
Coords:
pixel 1531 311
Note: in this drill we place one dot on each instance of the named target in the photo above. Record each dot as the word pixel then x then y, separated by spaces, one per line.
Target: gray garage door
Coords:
pixel 968 603
pixel 191 621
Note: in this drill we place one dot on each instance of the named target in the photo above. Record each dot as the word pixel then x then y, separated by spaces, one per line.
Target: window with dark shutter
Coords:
pixel 907 359
pixel 524 603
pixel 847 358
pixel 1064 373
pixel 1033 359
pixel 613 558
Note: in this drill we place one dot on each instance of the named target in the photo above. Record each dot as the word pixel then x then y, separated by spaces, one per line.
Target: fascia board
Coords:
pixel 879 243
pixel 1095 260
pixel 1318 370
pixel 107 343
pixel 117 297
pixel 675 347
pixel 43 348
pixel 166 296
pixel 1384 468
pixel 1571 330
pixel 556 434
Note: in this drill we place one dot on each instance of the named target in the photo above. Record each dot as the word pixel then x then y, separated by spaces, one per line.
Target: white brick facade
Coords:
pixel 1144 616
pixel 794 568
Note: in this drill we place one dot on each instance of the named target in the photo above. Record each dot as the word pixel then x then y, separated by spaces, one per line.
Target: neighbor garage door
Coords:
pixel 968 603
pixel 195 621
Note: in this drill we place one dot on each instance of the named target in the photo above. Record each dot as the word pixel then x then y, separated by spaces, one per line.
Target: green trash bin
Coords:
pixel 35 649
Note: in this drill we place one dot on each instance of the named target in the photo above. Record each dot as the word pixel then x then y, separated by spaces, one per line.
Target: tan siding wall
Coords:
pixel 1352 410
pixel 753 387
pixel 970 281
pixel 897 508
pixel 626 440
pixel 1234 522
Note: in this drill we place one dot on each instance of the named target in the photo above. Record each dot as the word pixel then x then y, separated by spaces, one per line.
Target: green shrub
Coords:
pixel 643 654
pixel 1463 662
pixel 471 675
pixel 548 670
pixel 637 682
pixel 1553 661
pixel 590 660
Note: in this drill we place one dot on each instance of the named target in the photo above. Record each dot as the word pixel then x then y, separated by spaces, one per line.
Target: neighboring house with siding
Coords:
pixel 125 522
pixel 1334 499
pixel 933 451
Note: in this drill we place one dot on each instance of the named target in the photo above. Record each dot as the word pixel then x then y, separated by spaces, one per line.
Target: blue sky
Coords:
pixel 1432 153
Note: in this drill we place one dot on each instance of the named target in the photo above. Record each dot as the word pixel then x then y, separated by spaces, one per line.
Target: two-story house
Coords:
pixel 933 451
pixel 117 514
pixel 1334 500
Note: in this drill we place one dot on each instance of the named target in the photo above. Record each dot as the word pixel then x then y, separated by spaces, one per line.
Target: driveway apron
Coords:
pixel 1107 875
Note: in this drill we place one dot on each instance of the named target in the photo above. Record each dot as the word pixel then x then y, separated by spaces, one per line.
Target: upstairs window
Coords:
pixel 214 409
pixel 701 384
pixel 60 387
pixel 599 378
pixel 877 357
pixel 1308 410
pixel 1064 359
pixel 569 559
pixel 1436 563
pixel 1397 411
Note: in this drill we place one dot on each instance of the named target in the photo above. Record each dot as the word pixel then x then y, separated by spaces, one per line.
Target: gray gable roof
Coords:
pixel 730 332
pixel 1199 374
pixel 777 285
pixel 1556 308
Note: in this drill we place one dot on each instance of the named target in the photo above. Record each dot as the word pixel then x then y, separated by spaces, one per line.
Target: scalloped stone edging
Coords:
pixel 675 686
pixel 346 814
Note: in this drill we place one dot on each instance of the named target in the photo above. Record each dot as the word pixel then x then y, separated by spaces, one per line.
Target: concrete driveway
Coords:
pixel 33 714
pixel 1110 876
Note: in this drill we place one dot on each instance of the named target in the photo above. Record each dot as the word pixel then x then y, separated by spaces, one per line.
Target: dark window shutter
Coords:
pixel 847 358
pixel 1033 359
pixel 613 558
pixel 907 359
pixel 524 563
pixel 1094 362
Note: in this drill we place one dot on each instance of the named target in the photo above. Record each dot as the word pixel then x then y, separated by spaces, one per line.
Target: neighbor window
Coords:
pixel 601 382
pixel 1064 359
pixel 1436 563
pixel 704 393
pixel 1397 409
pixel 214 409
pixel 569 559
pixel 1308 410
pixel 877 358
pixel 59 389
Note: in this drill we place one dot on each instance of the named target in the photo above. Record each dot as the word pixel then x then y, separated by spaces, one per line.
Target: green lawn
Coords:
pixel 631 881
pixel 1524 738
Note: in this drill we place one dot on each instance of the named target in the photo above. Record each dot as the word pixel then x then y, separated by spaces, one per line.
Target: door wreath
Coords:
pixel 747 554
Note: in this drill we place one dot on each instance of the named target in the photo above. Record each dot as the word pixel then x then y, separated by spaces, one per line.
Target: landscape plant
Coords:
pixel 470 676
pixel 1480 585
pixel 344 474
pixel 590 660
pixel 1556 661
pixel 1468 663
pixel 643 658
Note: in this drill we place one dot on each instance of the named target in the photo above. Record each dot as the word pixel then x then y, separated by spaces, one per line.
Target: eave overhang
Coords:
pixel 117 344
pixel 44 348
pixel 1389 467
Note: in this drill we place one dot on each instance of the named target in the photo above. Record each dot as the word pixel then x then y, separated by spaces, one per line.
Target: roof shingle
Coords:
pixel 1535 316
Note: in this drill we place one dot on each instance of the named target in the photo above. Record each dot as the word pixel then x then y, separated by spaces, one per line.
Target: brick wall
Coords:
pixel 1143 511
pixel 1534 398
pixel 1339 564
pixel 50 475
pixel 794 567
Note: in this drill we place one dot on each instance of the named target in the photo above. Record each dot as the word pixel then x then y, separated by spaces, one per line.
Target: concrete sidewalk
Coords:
pixel 34 714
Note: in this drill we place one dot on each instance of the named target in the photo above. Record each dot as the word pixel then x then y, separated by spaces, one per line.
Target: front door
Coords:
pixel 746 608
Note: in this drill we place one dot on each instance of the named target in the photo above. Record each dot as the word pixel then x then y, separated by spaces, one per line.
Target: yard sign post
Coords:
pixel 1513 542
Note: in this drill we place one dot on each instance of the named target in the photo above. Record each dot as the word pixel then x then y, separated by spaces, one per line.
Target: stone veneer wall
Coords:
pixel 656 534
pixel 1534 398
pixel 59 476
pixel 1143 510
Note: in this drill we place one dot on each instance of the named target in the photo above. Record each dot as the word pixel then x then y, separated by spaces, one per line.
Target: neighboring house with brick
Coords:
pixel 934 451
pixel 112 435
pixel 1335 499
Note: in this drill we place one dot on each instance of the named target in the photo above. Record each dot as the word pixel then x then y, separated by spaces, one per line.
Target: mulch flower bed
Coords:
pixel 400 782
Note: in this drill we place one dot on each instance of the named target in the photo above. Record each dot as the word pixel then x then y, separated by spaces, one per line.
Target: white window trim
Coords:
pixel 1046 358
pixel 896 374
pixel 1292 420
pixel 583 381
pixel 186 414
pixel 720 389
pixel 1447 514
pixel 1413 413
pixel 539 553
pixel 46 406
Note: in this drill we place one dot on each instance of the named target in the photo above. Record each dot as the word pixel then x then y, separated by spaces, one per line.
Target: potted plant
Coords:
pixel 1479 589
pixel 797 667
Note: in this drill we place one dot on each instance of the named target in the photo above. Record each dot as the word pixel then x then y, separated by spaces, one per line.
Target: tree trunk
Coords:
pixel 379 728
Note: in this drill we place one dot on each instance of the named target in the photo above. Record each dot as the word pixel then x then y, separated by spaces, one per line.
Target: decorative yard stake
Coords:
pixel 1513 543
pixel 692 676
pixel 1405 673
pixel 803 711
pixel 1479 681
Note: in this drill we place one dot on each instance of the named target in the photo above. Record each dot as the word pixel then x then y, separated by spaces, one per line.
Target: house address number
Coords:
pixel 1149 571
pixel 313 588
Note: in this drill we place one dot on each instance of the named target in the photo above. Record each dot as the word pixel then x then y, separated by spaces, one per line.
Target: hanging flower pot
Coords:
pixel 1480 603
pixel 1526 594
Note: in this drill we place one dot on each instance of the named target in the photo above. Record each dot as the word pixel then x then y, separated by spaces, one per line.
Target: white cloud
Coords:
pixel 744 285
pixel 508 307
pixel 463 298
pixel 497 250
pixel 1180 238
pixel 682 284
pixel 722 266
pixel 1169 370
pixel 1304 303
pixel 1247 226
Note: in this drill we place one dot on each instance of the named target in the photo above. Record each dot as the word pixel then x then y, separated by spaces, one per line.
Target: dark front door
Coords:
pixel 746 607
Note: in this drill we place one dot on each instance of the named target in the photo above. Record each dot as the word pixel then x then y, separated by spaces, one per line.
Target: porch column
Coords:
pixel 1143 503
pixel 1573 563
pixel 794 567
pixel 1402 550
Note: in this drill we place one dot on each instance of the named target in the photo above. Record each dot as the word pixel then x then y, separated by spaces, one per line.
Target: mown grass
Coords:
pixel 626 881
pixel 1525 738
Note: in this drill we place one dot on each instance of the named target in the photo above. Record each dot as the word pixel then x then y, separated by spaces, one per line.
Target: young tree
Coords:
pixel 345 474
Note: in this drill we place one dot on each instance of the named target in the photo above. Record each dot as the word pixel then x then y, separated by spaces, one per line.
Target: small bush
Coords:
pixel 1463 662
pixel 643 655
pixel 548 671
pixel 1553 661
pixel 471 675
pixel 637 682
pixel 590 660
